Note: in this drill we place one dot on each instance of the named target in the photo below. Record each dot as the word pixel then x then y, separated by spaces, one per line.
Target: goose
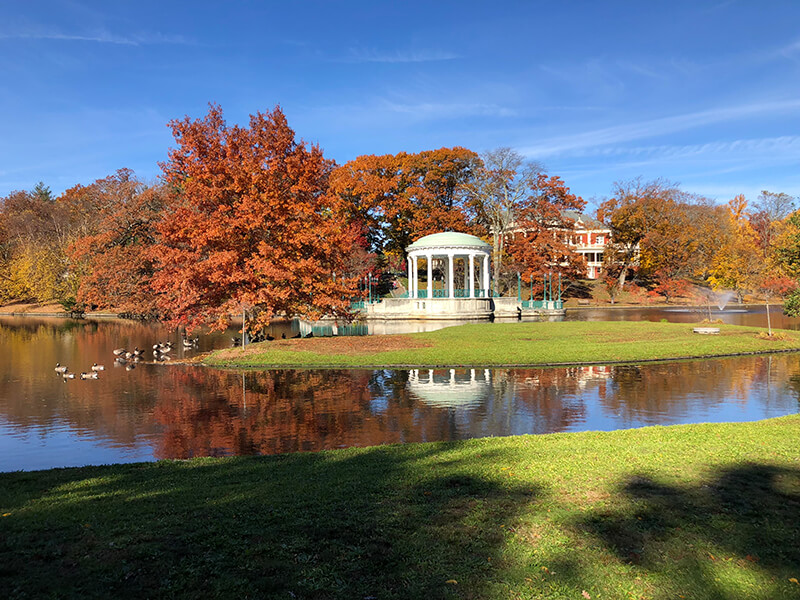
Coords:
pixel 91 375
pixel 68 376
pixel 119 351
pixel 270 338
pixel 236 341
pixel 299 335
pixel 130 367
pixel 137 352
pixel 96 367
pixel 60 368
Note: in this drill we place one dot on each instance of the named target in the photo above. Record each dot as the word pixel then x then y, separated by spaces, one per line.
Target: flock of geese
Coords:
pixel 128 359
pixel 67 375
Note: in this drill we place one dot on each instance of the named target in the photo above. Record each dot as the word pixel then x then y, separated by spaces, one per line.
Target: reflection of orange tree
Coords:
pixel 206 413
pixel 669 388
pixel 551 394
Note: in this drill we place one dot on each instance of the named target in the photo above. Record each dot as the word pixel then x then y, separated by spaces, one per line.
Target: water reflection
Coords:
pixel 451 388
pixel 178 411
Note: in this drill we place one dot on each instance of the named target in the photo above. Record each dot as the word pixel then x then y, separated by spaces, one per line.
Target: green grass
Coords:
pixel 697 511
pixel 512 344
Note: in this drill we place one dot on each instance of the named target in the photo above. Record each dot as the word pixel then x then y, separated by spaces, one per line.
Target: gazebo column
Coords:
pixel 450 277
pixel 429 258
pixel 416 274
pixel 471 275
pixel 411 293
pixel 486 276
pixel 466 276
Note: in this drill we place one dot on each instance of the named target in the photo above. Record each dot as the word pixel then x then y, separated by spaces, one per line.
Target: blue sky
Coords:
pixel 703 94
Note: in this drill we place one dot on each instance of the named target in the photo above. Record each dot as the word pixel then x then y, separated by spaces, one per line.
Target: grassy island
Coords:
pixel 510 344
pixel 703 511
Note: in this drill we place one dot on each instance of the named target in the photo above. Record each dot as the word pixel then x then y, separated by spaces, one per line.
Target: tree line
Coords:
pixel 251 219
pixel 667 239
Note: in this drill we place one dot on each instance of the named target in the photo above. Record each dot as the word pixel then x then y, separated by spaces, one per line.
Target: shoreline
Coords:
pixel 545 365
pixel 30 310
pixel 509 345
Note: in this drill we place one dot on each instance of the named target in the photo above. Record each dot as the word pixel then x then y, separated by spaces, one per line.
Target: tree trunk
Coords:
pixel 769 324
pixel 497 250
pixel 622 275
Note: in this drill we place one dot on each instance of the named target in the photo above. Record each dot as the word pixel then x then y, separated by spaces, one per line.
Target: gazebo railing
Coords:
pixel 556 304
pixel 437 293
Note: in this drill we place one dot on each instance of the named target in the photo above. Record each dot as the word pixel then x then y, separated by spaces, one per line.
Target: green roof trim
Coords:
pixel 449 239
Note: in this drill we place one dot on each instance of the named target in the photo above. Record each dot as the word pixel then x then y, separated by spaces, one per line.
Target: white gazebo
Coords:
pixel 444 252
pixel 448 278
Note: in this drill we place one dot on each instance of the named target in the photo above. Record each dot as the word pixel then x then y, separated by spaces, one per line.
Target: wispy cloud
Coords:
pixel 398 56
pixel 102 37
pixel 654 127
pixel 774 146
pixel 448 109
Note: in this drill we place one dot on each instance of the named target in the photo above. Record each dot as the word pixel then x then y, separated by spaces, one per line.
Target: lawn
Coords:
pixel 509 344
pixel 695 511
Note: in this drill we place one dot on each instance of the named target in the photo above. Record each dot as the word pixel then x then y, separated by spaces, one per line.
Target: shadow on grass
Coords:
pixel 731 537
pixel 352 524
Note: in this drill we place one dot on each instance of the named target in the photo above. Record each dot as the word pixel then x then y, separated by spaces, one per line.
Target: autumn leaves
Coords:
pixel 246 218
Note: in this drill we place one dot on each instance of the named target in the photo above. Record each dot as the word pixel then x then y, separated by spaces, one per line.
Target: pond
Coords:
pixel 158 410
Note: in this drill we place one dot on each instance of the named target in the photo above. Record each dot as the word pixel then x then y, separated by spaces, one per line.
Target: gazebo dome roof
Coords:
pixel 449 239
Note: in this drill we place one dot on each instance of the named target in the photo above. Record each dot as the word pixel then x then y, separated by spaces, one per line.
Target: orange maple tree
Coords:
pixel 251 225
pixel 403 197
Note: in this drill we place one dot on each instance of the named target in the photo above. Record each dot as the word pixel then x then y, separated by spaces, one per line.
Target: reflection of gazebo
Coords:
pixel 450 250
pixel 451 388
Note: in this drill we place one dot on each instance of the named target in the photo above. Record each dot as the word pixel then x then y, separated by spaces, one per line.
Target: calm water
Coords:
pixel 170 411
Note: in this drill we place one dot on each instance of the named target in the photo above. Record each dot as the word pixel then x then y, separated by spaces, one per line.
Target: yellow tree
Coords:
pixel 738 264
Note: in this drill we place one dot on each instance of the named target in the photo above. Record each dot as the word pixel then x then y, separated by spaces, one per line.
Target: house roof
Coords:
pixel 583 220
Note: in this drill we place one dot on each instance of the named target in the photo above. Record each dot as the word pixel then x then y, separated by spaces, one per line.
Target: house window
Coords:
pixel 601 239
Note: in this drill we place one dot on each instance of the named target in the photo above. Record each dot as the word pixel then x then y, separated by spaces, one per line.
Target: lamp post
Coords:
pixel 559 286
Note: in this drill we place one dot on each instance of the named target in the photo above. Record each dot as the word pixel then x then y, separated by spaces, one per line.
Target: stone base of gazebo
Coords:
pixel 389 309
pixel 513 308
pixel 424 308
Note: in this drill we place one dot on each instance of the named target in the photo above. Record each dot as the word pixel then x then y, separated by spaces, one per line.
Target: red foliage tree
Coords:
pixel 251 225
pixel 115 254
pixel 540 242
pixel 670 287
